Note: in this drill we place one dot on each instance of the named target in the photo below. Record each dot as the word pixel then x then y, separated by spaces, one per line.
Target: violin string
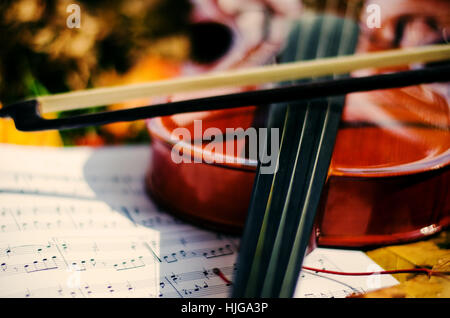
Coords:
pixel 280 180
pixel 427 271
pixel 222 276
pixel 419 270
pixel 262 194
pixel 284 230
pixel 316 178
pixel 269 221
pixel 271 218
pixel 310 171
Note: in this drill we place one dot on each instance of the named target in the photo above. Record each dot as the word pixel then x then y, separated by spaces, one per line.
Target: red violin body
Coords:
pixel 388 181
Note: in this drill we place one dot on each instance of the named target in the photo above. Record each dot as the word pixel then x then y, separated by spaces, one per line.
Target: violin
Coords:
pixel 388 181
pixel 382 177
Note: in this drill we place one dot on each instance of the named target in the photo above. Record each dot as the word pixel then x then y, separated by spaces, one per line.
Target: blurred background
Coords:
pixel 129 41
pixel 118 42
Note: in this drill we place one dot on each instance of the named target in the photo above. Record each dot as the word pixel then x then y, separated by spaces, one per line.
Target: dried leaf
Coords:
pixel 428 254
pixel 443 264
pixel 390 261
pixel 423 254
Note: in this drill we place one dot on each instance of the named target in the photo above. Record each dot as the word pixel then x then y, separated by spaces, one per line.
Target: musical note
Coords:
pixel 174 278
pixel 132 264
pixel 162 285
pixel 186 292
pixel 87 290
pixel 78 230
pixel 221 251
pixel 40 265
pixel 170 258
pixel 78 267
pixel 110 288
pixel 129 286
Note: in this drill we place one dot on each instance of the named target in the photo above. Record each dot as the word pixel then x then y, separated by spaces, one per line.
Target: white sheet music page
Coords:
pixel 76 222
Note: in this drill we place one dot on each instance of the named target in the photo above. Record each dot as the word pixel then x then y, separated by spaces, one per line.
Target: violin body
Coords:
pixel 213 195
pixel 389 176
pixel 388 180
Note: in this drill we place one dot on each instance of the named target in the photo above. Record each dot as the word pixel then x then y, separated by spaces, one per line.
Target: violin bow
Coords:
pixel 28 114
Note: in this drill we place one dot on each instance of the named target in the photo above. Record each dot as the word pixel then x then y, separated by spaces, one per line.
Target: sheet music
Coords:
pixel 76 222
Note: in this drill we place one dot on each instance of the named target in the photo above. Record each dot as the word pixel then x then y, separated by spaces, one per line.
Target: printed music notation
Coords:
pixel 87 261
pixel 76 223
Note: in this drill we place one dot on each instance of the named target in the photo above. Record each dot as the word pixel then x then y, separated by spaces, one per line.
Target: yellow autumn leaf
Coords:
pixel 423 254
pixel 427 254
pixel 391 261
pixel 421 286
pixel 149 68
pixel 9 134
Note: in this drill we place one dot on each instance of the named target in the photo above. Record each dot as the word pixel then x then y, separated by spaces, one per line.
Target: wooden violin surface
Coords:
pixel 388 181
pixel 214 195
pixel 389 178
